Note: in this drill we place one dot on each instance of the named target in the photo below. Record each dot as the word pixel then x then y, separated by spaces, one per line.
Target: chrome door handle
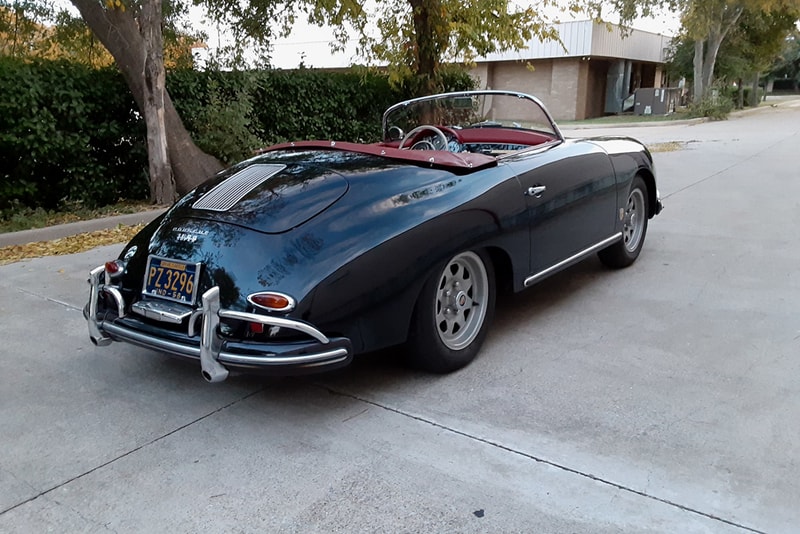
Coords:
pixel 535 191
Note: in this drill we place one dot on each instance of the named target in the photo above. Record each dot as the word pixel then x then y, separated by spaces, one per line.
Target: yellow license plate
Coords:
pixel 171 279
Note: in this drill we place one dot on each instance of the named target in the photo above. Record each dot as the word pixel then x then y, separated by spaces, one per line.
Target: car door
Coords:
pixel 570 190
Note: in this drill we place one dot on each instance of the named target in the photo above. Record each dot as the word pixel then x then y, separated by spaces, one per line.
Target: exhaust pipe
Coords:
pixel 100 341
pixel 210 342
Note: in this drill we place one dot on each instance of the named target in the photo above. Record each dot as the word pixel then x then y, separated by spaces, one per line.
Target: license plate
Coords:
pixel 171 279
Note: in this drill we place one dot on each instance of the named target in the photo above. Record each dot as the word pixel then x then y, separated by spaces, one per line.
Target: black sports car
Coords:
pixel 311 252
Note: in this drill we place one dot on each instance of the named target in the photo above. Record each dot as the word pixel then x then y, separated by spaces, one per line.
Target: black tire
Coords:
pixel 453 313
pixel 634 229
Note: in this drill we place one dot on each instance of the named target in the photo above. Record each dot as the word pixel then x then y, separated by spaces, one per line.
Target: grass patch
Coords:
pixel 27 218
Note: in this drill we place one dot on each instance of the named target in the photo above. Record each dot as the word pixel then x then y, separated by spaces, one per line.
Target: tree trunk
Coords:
pixel 698 88
pixel 119 33
pixel 162 185
pixel 718 22
pixel 754 92
pixel 740 94
pixel 430 35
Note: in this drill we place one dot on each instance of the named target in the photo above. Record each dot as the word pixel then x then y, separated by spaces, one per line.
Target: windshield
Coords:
pixel 462 111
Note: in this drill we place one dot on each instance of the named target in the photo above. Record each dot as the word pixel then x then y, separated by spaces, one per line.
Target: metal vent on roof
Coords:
pixel 228 192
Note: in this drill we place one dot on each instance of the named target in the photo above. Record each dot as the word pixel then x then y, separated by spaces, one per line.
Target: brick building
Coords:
pixel 590 76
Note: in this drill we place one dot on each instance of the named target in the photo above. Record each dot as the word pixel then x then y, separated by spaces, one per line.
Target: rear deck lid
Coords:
pixel 268 197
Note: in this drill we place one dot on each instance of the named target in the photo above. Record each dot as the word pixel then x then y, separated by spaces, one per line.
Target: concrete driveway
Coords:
pixel 661 398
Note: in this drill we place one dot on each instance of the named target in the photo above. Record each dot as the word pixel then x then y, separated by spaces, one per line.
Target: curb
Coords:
pixel 774 102
pixel 63 230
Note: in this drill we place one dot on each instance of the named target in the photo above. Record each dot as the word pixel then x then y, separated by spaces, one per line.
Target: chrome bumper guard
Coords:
pixel 209 351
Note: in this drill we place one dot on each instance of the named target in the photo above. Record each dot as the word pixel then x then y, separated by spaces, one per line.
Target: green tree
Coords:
pixel 754 45
pixel 706 23
pixel 23 28
pixel 787 65
pixel 750 48
pixel 414 37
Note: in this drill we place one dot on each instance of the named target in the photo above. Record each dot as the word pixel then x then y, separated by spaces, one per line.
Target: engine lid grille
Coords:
pixel 227 193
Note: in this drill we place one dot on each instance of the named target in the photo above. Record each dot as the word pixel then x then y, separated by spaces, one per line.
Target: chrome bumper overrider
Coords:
pixel 210 349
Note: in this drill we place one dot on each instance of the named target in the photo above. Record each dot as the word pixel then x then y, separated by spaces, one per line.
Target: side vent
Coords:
pixel 227 193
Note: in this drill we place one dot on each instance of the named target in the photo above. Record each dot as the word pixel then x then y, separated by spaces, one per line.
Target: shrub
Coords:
pixel 72 135
pixel 67 132
pixel 713 106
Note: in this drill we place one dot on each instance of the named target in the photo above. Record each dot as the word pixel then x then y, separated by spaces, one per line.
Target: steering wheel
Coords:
pixel 413 133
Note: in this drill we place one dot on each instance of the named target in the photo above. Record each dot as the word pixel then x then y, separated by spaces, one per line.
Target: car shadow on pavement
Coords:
pixel 387 368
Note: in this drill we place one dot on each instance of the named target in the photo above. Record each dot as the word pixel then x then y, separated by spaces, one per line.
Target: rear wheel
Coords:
pixel 453 313
pixel 634 228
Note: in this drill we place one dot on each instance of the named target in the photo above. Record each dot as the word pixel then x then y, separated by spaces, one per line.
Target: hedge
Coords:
pixel 69 133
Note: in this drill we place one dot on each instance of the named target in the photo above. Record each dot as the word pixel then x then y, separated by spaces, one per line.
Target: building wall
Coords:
pixel 571 88
pixel 571 79
pixel 562 84
pixel 596 88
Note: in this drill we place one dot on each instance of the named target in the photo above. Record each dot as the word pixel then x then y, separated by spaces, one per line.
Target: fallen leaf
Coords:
pixel 68 245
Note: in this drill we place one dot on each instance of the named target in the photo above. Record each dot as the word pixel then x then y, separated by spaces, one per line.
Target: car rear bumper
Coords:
pixel 202 340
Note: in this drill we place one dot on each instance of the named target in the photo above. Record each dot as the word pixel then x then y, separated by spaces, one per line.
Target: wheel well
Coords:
pixel 503 270
pixel 650 182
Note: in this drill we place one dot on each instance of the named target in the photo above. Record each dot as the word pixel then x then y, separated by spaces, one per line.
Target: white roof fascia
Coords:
pixel 586 38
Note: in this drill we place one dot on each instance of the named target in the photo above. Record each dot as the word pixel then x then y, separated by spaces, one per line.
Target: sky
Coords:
pixel 310 45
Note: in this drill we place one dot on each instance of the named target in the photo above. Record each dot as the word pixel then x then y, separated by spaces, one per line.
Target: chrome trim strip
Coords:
pixel 143 340
pixel 161 311
pixel 339 354
pixel 275 321
pixel 118 300
pixel 572 259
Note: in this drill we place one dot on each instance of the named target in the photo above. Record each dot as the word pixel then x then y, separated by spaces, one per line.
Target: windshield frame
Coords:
pixel 385 126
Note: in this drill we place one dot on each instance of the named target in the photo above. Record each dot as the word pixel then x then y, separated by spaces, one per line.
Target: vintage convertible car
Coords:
pixel 311 252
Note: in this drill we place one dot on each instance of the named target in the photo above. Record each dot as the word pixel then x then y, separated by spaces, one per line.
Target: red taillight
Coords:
pixel 277 302
pixel 257 328
pixel 114 268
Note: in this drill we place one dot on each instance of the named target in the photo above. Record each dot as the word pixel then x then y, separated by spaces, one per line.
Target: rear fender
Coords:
pixel 384 284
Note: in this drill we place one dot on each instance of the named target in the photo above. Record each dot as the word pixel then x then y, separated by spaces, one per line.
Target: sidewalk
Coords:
pixel 63 230
pixel 772 101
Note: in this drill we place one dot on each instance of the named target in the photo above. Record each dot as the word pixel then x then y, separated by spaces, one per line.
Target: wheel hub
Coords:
pixel 459 309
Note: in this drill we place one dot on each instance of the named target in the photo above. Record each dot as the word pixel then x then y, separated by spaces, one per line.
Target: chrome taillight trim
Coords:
pixel 288 308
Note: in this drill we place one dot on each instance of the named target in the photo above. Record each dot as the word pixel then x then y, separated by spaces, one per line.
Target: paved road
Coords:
pixel 661 398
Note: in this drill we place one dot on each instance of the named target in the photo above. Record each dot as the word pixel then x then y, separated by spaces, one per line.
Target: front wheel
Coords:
pixel 453 313
pixel 634 228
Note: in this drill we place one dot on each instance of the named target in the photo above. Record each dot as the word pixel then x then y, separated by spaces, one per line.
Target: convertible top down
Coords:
pixel 297 259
